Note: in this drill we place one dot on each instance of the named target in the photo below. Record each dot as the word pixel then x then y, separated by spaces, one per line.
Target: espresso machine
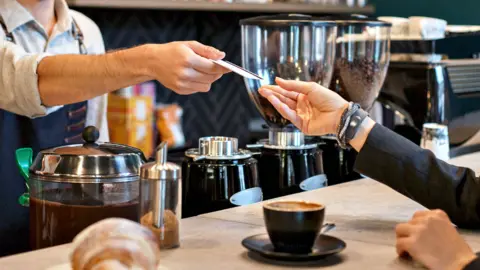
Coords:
pixel 294 47
pixel 427 83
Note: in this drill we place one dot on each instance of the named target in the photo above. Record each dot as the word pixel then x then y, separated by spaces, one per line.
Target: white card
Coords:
pixel 239 70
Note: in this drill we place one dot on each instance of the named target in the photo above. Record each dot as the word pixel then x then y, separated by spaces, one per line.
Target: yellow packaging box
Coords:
pixel 130 121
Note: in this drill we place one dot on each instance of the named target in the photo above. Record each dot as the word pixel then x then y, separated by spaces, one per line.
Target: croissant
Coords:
pixel 115 243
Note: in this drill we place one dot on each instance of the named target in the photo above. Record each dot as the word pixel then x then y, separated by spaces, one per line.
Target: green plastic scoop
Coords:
pixel 24 158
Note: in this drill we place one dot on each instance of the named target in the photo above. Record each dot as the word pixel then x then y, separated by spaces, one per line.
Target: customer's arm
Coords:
pixel 383 154
pixel 31 83
pixel 395 161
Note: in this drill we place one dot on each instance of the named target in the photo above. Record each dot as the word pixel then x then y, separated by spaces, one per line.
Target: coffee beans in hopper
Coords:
pixel 358 80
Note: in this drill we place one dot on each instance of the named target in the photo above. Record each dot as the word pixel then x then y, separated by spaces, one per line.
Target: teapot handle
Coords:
pixel 24 158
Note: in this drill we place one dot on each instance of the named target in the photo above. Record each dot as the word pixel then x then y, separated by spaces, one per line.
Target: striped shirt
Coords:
pixel 18 62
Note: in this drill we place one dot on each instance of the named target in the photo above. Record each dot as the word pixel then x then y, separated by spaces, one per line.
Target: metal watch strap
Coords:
pixel 354 124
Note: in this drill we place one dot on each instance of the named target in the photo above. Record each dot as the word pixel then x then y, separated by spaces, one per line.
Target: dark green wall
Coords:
pixel 454 11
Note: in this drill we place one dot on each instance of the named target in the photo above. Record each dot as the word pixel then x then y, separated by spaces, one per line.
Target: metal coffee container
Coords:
pixel 218 175
pixel 159 203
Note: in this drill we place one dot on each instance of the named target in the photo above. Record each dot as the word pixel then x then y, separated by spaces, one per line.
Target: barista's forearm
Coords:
pixel 66 79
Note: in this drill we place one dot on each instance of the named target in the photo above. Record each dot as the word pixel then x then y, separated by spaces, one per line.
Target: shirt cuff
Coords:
pixel 473 265
pixel 29 89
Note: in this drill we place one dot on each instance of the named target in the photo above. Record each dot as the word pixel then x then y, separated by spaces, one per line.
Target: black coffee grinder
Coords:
pixel 362 58
pixel 294 47
pixel 217 175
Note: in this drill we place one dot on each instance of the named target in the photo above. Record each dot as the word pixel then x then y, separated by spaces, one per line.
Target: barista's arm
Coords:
pixel 65 79
pixel 30 84
pixel 183 67
pixel 395 161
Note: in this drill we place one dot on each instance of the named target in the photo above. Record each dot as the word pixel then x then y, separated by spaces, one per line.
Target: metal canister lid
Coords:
pixel 218 148
pixel 160 169
pixel 91 162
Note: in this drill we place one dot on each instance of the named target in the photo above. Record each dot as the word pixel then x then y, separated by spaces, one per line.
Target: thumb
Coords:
pixel 295 86
pixel 205 51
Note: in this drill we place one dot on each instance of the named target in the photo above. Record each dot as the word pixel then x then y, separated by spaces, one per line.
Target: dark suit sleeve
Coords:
pixel 473 265
pixel 395 161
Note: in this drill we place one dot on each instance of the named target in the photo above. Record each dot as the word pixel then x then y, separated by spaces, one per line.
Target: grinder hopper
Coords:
pixel 293 47
pixel 362 58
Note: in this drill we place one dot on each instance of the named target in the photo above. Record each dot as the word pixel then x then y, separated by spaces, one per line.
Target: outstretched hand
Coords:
pixel 312 108
pixel 185 66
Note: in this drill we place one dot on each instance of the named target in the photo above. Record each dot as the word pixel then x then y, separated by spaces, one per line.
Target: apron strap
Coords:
pixel 78 35
pixel 8 35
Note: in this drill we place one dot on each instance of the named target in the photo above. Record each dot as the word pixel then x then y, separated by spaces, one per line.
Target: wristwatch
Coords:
pixel 354 124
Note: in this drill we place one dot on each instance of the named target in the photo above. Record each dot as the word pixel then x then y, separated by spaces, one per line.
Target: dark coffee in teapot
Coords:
pixel 55 222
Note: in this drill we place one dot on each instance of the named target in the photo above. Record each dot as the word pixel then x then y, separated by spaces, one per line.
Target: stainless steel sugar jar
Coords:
pixel 74 186
pixel 159 208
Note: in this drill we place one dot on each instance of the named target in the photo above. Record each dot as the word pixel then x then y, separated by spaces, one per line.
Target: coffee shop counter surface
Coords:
pixel 365 213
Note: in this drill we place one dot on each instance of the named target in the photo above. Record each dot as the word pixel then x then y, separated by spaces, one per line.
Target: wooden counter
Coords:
pixel 231 7
pixel 364 211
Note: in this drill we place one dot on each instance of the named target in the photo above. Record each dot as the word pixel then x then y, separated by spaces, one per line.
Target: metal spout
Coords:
pixel 160 188
pixel 161 154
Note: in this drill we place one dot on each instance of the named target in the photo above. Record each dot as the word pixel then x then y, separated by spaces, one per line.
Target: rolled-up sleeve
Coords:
pixel 19 81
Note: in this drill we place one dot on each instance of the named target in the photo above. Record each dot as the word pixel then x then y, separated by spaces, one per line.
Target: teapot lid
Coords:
pixel 286 20
pixel 91 162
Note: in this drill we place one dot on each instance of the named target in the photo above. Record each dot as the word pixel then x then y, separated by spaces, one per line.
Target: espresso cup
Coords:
pixel 293 226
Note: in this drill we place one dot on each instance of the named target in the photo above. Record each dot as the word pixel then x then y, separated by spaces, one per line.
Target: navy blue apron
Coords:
pixel 59 128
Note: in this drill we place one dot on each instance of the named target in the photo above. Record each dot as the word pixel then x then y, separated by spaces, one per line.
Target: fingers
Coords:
pixel 404 233
pixel 403 229
pixel 289 94
pixel 285 111
pixel 205 51
pixel 201 57
pixel 420 214
pixel 292 104
pixel 403 245
pixel 186 88
pixel 440 214
pixel 206 66
pixel 199 77
pixel 296 86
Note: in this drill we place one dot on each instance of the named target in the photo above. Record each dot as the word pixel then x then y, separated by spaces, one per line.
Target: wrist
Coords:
pixel 338 118
pixel 361 137
pixel 140 61
pixel 463 261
